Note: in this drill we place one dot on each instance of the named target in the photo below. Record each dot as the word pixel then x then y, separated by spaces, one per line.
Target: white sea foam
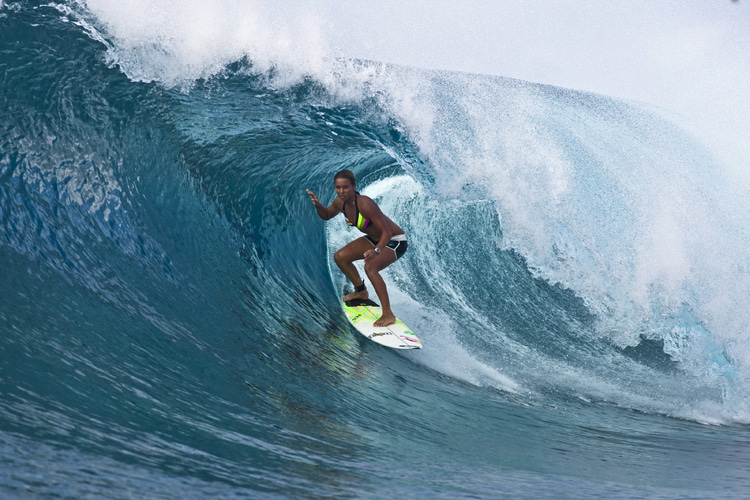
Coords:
pixel 687 57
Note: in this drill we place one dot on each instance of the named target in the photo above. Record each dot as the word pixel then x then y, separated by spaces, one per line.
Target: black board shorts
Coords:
pixel 398 244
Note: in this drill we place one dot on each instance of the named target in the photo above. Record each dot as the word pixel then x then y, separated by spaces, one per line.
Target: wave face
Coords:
pixel 169 320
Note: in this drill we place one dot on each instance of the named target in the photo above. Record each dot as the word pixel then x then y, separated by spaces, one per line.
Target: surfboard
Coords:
pixel 363 313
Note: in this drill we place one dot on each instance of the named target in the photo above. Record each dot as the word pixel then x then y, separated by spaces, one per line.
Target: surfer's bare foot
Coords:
pixel 356 295
pixel 385 320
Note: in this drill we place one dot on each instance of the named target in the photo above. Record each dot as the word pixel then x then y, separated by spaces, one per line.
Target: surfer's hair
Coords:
pixel 345 174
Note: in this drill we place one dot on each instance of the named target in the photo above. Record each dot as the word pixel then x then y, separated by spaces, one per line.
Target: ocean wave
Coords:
pixel 170 300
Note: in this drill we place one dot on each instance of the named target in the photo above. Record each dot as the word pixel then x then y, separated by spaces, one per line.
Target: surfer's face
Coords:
pixel 344 189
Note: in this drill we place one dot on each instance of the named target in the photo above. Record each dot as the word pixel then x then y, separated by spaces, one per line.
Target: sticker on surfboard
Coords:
pixel 363 313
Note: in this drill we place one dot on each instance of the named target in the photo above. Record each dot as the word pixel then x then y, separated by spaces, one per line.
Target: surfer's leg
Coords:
pixel 372 269
pixel 345 258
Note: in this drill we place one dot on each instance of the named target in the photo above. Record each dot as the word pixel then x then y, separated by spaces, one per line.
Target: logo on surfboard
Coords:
pixel 379 334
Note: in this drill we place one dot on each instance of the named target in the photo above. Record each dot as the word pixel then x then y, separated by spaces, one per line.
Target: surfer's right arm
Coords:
pixel 325 213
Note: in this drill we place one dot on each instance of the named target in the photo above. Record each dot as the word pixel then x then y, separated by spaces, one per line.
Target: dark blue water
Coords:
pixel 169 316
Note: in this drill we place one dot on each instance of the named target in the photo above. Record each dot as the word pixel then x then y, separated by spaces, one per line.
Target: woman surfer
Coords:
pixel 384 242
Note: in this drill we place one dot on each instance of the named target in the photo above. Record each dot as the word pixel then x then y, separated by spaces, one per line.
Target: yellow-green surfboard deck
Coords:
pixel 363 313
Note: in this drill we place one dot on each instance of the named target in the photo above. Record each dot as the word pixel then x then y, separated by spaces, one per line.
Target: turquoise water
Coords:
pixel 169 317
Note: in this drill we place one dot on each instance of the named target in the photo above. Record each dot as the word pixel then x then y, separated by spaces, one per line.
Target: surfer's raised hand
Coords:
pixel 324 213
pixel 313 198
